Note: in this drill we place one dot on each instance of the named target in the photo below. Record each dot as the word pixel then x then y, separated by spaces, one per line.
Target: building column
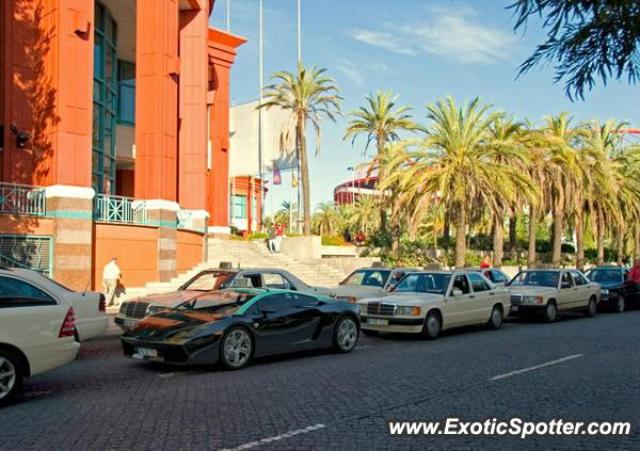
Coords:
pixel 193 127
pixel 222 52
pixel 163 214
pixel 157 71
pixel 72 208
pixel 42 97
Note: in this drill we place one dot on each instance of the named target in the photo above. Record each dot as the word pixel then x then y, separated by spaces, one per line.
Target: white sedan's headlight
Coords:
pixel 362 308
pixel 407 311
pixel 533 300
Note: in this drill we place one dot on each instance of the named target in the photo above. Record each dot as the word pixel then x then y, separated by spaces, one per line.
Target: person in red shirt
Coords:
pixel 634 274
pixel 486 262
pixel 279 231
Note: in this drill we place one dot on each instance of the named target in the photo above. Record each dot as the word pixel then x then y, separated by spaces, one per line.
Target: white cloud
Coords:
pixel 386 40
pixel 357 72
pixel 351 72
pixel 450 34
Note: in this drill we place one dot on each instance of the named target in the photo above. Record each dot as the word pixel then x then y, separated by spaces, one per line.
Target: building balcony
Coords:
pixel 119 209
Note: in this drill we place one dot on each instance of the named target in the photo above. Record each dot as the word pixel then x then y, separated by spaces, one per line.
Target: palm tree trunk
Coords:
pixel 446 233
pixel 498 241
pixel 513 222
pixel 461 235
pixel 304 173
pixel 620 246
pixel 579 239
pixel 381 175
pixel 558 231
pixel 600 238
pixel 533 228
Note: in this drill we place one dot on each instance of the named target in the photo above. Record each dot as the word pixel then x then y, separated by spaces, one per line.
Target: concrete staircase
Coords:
pixel 254 254
pixel 245 254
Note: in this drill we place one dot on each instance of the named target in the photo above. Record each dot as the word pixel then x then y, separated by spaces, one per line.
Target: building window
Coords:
pixel 238 206
pixel 104 102
pixel 126 93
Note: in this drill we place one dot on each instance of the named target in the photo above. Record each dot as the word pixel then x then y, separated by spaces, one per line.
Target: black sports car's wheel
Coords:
pixel 370 333
pixel 592 307
pixel 495 321
pixel 10 376
pixel 345 335
pixel 550 312
pixel 236 348
pixel 432 326
pixel 620 305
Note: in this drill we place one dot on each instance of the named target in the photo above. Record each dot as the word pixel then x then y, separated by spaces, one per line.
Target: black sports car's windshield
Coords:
pixel 368 277
pixel 537 279
pixel 225 302
pixel 209 281
pixel 605 275
pixel 436 283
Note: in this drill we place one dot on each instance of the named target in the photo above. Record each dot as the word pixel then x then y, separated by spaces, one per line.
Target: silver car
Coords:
pixel 132 311
pixel 369 282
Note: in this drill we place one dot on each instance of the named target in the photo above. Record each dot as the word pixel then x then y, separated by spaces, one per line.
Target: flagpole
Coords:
pixel 261 76
pixel 228 16
pixel 299 187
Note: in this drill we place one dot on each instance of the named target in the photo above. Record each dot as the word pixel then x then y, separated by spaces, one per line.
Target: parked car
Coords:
pixel 89 307
pixel 369 282
pixel 427 303
pixel 616 293
pixel 37 329
pixel 495 275
pixel 233 326
pixel 551 291
pixel 132 311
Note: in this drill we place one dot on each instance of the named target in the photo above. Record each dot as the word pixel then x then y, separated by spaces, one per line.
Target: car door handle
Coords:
pixel 472 297
pixel 492 294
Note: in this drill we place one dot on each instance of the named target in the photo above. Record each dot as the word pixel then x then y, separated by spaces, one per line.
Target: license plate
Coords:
pixel 605 291
pixel 378 322
pixel 514 308
pixel 145 354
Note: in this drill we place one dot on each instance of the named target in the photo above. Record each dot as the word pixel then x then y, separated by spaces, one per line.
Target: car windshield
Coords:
pixel 368 277
pixel 537 279
pixel 209 281
pixel 225 302
pixel 605 275
pixel 437 283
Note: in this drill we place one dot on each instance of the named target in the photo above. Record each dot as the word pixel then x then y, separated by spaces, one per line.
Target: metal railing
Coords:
pixel 22 199
pixel 119 209
pixel 28 252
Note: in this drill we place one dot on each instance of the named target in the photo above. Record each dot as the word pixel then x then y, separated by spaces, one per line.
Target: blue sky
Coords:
pixel 422 50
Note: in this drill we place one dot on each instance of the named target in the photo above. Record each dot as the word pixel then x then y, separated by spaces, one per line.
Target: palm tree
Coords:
pixel 364 215
pixel 457 164
pixel 380 121
pixel 507 149
pixel 285 214
pixel 326 219
pixel 309 96
pixel 560 137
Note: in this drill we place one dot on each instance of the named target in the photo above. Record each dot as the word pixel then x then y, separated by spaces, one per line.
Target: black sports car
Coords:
pixel 232 326
pixel 617 292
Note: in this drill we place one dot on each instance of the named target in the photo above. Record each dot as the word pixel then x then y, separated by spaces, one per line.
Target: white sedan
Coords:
pixel 37 332
pixel 89 307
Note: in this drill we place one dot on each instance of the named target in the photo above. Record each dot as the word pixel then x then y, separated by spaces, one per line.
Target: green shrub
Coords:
pixel 333 240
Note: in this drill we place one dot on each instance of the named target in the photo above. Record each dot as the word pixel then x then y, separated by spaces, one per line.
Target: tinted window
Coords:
pixel 14 293
pixel 536 278
pixel 478 283
pixel 301 300
pixel 247 281
pixel 496 276
pixel 566 280
pixel 461 283
pixel 424 283
pixel 272 280
pixel 368 277
pixel 606 275
pixel 579 278
pixel 208 281
pixel 275 303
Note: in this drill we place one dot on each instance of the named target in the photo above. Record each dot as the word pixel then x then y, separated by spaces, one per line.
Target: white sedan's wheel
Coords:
pixel 592 307
pixel 9 377
pixel 550 312
pixel 495 321
pixel 432 326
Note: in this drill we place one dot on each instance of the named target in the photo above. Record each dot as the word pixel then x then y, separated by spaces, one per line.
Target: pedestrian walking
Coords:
pixel 278 238
pixel 271 235
pixel 111 275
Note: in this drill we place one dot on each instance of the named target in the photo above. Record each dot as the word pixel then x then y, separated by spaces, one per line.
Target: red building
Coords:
pixel 114 126
pixel 350 191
